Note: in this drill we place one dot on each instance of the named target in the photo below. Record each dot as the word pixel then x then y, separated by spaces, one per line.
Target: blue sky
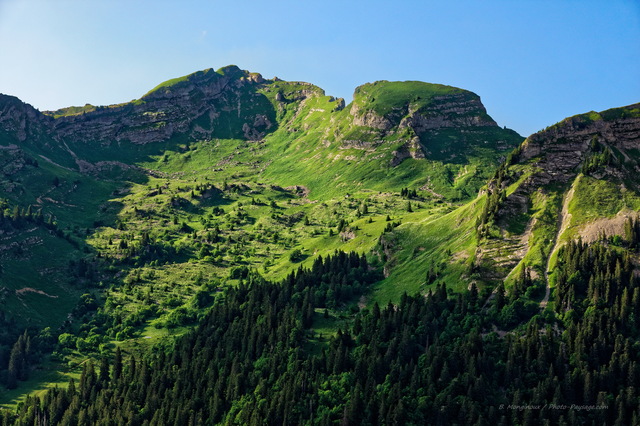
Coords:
pixel 532 62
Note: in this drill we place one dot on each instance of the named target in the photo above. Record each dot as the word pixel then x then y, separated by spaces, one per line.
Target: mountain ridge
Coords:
pixel 160 207
pixel 201 106
pixel 79 166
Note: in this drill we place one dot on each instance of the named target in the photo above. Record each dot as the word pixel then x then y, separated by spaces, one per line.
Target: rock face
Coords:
pixel 194 104
pixel 569 180
pixel 559 150
pixel 368 118
pixel 169 109
pixel 458 110
pixel 423 107
pixel 20 120
pixel 420 113
pixel 450 111
pixel 410 149
pixel 609 140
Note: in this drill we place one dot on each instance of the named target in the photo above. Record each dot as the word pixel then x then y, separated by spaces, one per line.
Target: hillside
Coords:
pixel 222 199
pixel 574 180
pixel 151 207
pixel 92 169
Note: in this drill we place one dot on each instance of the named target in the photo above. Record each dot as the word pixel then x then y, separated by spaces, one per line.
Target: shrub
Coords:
pixel 296 255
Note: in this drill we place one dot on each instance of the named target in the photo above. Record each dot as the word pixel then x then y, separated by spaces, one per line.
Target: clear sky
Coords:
pixel 532 62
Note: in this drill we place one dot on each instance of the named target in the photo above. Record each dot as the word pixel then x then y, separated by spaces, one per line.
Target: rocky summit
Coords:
pixel 563 147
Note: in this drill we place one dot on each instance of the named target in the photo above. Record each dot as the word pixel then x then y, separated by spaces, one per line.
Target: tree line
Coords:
pixel 441 358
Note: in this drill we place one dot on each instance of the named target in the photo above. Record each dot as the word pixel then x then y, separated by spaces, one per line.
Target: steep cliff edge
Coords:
pixel 560 149
pixel 19 120
pixel 199 104
pixel 417 105
pixel 440 122
pixel 575 179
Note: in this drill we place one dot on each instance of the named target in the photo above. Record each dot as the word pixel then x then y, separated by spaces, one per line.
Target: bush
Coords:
pixel 238 272
pixel 296 255
pixel 67 340
pixel 180 316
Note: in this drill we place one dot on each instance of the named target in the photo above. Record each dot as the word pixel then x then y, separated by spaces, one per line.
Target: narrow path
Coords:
pixel 39 199
pixel 54 163
pixel 563 223
pixel 547 292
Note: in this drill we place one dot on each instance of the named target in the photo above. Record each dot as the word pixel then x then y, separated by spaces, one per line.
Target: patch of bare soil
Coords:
pixel 456 257
pixel 33 290
pixel 609 226
pixel 362 302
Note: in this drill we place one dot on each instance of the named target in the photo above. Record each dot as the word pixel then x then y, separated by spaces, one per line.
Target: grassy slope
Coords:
pixel 310 148
pixel 307 148
pixel 315 147
pixel 75 202
pixel 441 239
pixel 384 97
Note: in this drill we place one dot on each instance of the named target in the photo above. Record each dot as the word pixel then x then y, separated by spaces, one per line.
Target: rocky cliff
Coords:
pixel 424 114
pixel 19 120
pixel 192 104
pixel 384 105
pixel 560 150
pixel 575 179
pixel 603 144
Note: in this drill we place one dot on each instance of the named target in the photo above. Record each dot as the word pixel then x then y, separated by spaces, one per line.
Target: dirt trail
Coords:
pixel 24 290
pixel 563 224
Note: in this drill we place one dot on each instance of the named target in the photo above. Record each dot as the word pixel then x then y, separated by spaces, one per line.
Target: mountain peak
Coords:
pixel 170 108
pixel 201 80
pixel 561 148
pixel 422 106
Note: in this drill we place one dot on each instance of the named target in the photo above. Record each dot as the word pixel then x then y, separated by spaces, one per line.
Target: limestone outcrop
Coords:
pixel 201 98
pixel 559 150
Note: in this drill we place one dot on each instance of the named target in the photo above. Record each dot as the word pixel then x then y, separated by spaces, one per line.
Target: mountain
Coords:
pixel 282 221
pixel 76 164
pixel 575 179
pixel 414 122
